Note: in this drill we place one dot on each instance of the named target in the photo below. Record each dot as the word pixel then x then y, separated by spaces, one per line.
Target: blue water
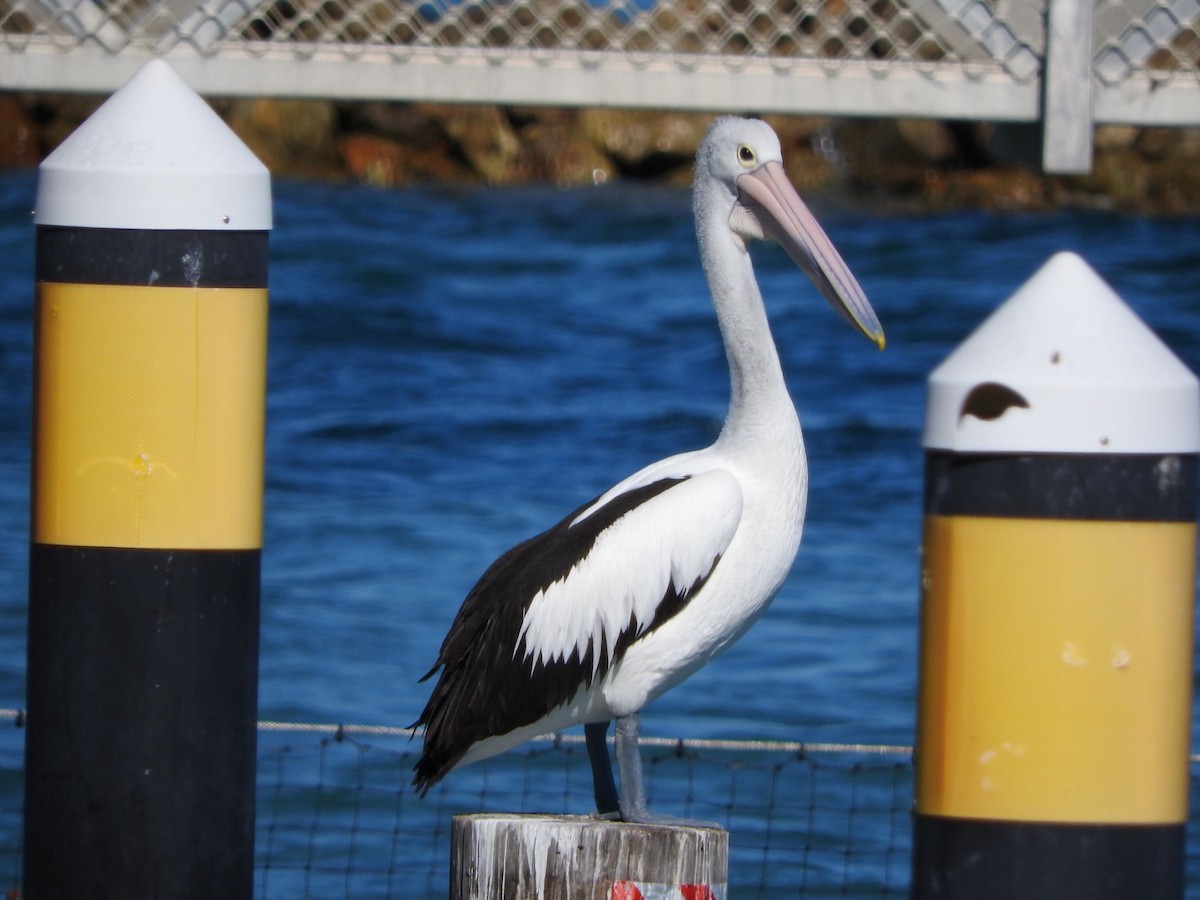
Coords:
pixel 451 371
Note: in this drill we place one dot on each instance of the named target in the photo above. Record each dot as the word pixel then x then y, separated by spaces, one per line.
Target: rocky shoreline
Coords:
pixel 926 163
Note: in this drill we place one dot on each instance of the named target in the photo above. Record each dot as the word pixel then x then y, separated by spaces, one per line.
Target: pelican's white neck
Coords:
pixel 759 399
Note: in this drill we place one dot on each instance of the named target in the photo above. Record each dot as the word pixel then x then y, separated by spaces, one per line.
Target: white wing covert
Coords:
pixel 658 551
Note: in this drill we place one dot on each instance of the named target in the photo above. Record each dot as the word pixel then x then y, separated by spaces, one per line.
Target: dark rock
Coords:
pixel 295 137
pixel 923 162
pixel 385 162
pixel 56 116
pixel 484 137
pixel 645 143
pixel 998 188
pixel 407 123
pixel 895 155
pixel 18 138
pixel 561 154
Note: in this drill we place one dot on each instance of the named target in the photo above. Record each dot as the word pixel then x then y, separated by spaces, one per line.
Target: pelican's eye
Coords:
pixel 746 156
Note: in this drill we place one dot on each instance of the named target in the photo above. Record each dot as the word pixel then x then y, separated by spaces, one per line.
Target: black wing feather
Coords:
pixel 485 687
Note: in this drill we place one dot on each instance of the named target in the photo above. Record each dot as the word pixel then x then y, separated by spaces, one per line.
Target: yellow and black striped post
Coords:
pixel 1058 586
pixel 151 314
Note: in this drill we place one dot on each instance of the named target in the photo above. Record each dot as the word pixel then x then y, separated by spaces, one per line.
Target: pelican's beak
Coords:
pixel 769 197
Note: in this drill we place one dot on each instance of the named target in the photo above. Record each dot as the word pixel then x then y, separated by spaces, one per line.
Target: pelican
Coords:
pixel 635 590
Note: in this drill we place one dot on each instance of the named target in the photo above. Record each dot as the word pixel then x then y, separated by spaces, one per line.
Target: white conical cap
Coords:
pixel 154 156
pixel 1063 366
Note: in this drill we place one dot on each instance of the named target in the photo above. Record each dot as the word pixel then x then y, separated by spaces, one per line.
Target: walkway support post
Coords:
pixel 1058 586
pixel 1067 88
pixel 150 346
pixel 511 857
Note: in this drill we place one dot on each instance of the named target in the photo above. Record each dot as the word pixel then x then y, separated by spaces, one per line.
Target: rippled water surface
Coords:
pixel 452 371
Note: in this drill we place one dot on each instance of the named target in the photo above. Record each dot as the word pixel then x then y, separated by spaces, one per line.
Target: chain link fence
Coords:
pixel 1154 38
pixel 1143 39
pixel 925 33
pixel 1065 63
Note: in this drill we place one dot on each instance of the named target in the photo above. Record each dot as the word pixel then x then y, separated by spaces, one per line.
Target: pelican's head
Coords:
pixel 741 160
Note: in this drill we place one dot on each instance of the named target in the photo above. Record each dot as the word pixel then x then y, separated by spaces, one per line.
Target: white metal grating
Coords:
pixel 968 59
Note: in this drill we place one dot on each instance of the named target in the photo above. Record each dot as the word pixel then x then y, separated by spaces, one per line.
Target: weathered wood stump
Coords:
pixel 515 857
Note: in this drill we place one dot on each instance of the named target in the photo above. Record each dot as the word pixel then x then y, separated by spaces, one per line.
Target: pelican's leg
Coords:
pixel 629 761
pixel 633 791
pixel 607 804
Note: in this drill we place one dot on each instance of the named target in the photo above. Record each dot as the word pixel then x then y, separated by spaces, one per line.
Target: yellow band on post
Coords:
pixel 150 407
pixel 1056 670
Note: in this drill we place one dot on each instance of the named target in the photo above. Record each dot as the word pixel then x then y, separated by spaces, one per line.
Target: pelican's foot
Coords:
pixel 643 816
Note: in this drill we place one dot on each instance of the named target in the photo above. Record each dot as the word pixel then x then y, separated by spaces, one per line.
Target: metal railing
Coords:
pixel 1065 63
pixel 336 815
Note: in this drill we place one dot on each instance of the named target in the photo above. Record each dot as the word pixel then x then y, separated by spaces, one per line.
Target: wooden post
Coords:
pixel 513 857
